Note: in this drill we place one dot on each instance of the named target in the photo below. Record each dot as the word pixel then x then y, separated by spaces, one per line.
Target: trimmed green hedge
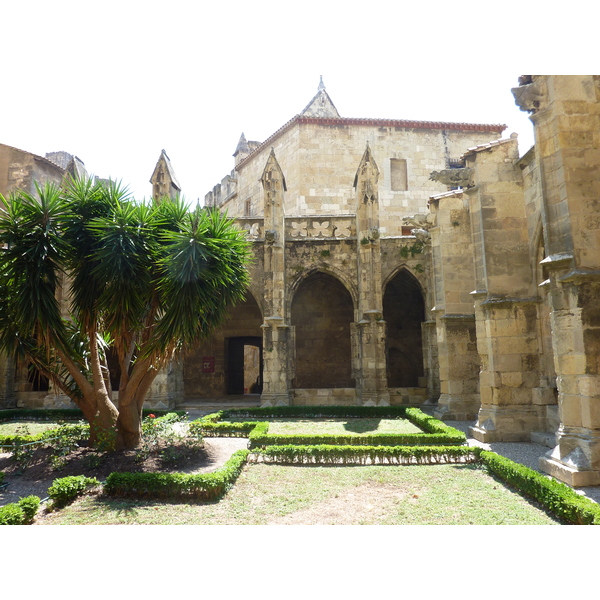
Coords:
pixel 64 414
pixel 557 497
pixel 68 414
pixel 436 432
pixel 40 414
pixel 204 486
pixel 362 455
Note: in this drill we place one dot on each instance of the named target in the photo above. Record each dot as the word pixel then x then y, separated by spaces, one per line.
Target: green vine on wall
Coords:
pixel 414 248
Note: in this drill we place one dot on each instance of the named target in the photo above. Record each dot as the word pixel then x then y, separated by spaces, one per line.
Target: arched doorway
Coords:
pixel 244 365
pixel 224 362
pixel 322 311
pixel 403 312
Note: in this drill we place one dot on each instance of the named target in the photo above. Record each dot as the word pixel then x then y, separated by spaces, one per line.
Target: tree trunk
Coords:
pixel 129 426
pixel 103 424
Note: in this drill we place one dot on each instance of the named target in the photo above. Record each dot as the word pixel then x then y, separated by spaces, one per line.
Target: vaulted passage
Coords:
pixel 229 361
pixel 403 311
pixel 322 311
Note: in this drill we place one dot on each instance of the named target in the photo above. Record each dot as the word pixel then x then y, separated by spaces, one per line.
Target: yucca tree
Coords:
pixel 147 281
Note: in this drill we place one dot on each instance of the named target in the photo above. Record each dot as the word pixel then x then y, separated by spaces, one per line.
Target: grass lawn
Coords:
pixel 290 495
pixel 341 426
pixel 26 427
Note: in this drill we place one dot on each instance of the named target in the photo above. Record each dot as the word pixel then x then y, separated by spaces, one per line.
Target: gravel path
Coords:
pixel 525 453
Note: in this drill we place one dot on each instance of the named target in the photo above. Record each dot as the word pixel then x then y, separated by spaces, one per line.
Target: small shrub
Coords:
pixel 11 514
pixel 65 490
pixel 29 506
pixel 22 454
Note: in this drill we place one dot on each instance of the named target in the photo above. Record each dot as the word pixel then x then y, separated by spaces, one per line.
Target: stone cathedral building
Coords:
pixel 338 297
pixel 408 262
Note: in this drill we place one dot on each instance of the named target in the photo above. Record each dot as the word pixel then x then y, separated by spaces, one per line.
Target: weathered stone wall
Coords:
pixel 21 170
pixel 319 161
pixel 206 369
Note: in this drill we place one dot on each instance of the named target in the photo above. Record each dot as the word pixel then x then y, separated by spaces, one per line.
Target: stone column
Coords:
pixel 452 258
pixel 369 330
pixel 566 117
pixel 276 331
pixel 505 297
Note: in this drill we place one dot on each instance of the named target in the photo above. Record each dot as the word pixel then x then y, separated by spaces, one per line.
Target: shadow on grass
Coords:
pixel 362 425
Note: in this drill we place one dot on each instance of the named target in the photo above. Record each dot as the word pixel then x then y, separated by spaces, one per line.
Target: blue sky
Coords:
pixel 116 82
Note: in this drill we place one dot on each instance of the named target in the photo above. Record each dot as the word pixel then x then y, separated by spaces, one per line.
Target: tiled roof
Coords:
pixel 489 145
pixel 404 124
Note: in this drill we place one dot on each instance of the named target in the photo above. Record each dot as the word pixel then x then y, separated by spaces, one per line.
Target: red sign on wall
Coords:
pixel 208 364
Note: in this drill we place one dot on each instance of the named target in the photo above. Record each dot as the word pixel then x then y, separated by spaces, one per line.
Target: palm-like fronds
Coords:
pixel 151 279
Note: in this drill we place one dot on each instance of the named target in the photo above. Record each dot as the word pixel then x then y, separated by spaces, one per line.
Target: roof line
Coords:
pixel 371 122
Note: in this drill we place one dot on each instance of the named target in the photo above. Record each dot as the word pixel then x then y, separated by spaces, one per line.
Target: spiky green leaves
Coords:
pixel 153 279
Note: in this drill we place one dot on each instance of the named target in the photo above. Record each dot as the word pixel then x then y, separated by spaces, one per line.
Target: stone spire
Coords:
pixel 242 150
pixel 163 180
pixel 321 105
pixel 276 333
pixel 370 328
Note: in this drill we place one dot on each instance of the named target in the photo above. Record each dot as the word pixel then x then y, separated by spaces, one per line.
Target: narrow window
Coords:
pixel 398 174
pixel 247 208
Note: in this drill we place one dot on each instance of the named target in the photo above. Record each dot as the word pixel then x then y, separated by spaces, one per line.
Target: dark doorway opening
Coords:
pixel 244 365
pixel 404 312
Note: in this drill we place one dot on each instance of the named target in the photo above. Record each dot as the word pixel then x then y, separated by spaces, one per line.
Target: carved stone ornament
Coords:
pixel 422 235
pixel 270 236
pixel 420 221
pixel 528 97
pixel 453 177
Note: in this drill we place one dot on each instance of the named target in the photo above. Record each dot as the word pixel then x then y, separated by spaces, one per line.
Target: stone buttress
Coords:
pixel 369 330
pixel 566 117
pixel 277 333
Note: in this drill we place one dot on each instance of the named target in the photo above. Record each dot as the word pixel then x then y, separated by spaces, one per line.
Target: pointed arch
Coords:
pixel 404 312
pixel 343 278
pixel 322 309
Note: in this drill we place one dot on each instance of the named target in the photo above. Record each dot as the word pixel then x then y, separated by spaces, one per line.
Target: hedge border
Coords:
pixel 435 433
pixel 559 499
pixel 203 486
pixel 54 415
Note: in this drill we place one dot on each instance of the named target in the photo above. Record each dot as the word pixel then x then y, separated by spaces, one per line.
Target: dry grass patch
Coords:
pixel 373 495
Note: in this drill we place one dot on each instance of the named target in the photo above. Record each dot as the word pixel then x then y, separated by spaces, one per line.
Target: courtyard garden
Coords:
pixel 285 465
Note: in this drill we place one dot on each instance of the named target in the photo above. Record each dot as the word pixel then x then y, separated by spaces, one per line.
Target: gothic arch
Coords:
pixel 404 312
pixel 257 298
pixel 322 310
pixel 342 278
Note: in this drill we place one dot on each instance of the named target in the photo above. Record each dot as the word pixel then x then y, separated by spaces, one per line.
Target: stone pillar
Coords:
pixel 505 297
pixel 276 331
pixel 167 388
pixel 453 280
pixel 566 118
pixel 369 330
pixel 431 360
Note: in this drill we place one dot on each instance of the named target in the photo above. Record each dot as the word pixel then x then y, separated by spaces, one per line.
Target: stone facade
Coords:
pixel 532 227
pixel 339 298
